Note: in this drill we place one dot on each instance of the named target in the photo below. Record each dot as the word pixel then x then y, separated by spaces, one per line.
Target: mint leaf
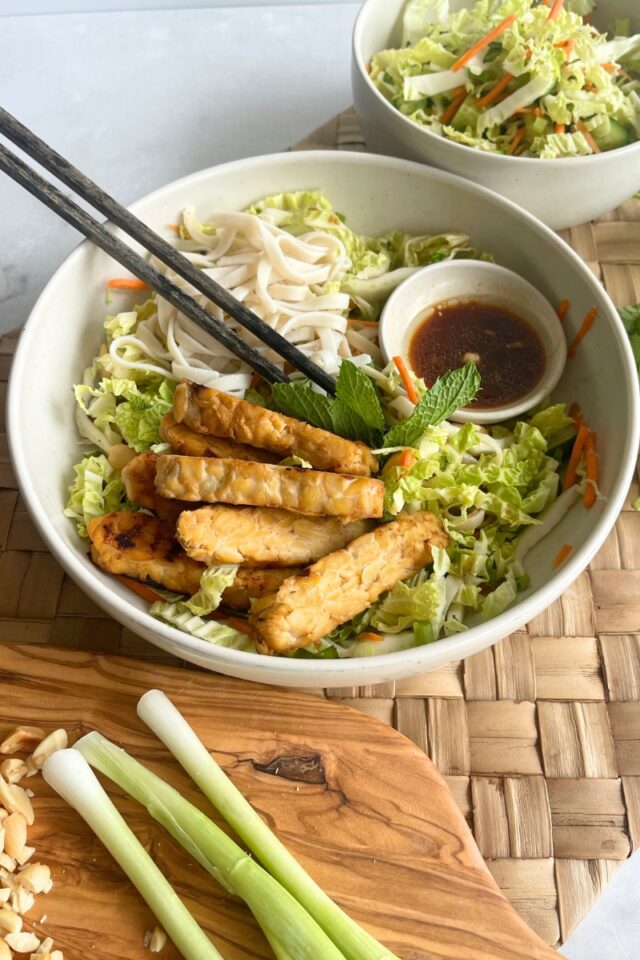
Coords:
pixel 303 403
pixel 355 390
pixel 631 318
pixel 260 399
pixel 455 389
pixel 347 423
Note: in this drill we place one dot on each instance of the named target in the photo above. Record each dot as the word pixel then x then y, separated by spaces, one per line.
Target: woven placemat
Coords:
pixel 539 737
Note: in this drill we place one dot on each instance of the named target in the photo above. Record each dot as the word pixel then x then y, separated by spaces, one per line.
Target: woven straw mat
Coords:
pixel 538 737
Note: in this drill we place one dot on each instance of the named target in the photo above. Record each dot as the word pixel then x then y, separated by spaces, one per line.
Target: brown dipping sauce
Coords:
pixel 507 351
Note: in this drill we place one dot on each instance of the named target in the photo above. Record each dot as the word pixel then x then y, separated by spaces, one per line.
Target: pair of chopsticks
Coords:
pixel 103 237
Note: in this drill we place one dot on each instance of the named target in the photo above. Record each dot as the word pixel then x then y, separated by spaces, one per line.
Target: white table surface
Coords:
pixel 137 99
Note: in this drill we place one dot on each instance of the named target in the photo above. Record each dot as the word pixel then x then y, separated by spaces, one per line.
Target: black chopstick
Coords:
pixel 103 238
pixel 139 231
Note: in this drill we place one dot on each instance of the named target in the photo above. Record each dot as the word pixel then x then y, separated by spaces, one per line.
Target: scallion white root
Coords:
pixel 291 931
pixel 160 714
pixel 71 776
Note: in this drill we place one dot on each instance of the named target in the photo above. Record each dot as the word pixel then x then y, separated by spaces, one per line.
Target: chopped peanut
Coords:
pixel 13 770
pixel 23 942
pixel 7 862
pixel 155 939
pixel 25 854
pixel 57 740
pixel 15 800
pixel 21 739
pixel 10 922
pixel 5 952
pixel 15 834
pixel 36 878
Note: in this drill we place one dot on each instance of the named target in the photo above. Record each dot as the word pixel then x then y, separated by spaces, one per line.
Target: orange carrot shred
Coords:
pixel 140 588
pixel 563 553
pixel 609 67
pixel 537 111
pixel 588 137
pixel 587 323
pixel 563 309
pixel 369 636
pixel 575 412
pixel 591 460
pixel 406 379
pixel 127 283
pixel 517 140
pixel 560 128
pixel 363 323
pixel 555 9
pixel 240 625
pixel 453 107
pixel 574 459
pixel 173 227
pixel 484 42
pixel 256 379
pixel 407 458
pixel 495 91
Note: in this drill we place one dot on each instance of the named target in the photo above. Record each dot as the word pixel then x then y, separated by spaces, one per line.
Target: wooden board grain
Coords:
pixel 362 808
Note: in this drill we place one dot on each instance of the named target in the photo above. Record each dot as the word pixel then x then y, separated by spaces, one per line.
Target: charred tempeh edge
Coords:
pixel 262 537
pixel 191 444
pixel 206 410
pixel 240 482
pixel 309 606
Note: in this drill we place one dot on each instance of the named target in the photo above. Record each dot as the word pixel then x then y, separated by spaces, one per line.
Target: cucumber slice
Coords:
pixel 618 136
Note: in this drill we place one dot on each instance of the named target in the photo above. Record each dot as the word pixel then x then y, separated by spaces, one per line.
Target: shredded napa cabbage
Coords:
pixel 532 91
pixel 97 489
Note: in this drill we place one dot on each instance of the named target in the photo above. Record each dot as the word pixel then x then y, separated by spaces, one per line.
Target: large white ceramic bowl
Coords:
pixel 377 194
pixel 559 192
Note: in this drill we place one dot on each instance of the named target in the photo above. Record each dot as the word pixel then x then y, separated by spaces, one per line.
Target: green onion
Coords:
pixel 71 776
pixel 288 926
pixel 166 721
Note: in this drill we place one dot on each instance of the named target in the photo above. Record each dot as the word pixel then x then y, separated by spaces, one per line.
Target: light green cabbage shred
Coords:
pixel 96 490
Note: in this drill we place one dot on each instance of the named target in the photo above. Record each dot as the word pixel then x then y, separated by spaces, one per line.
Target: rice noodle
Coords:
pixel 282 278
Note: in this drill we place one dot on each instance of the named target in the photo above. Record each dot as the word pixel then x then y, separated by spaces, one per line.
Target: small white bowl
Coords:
pixel 561 192
pixel 460 280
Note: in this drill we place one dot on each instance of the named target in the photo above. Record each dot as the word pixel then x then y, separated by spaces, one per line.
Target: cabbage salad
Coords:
pixel 293 259
pixel 520 77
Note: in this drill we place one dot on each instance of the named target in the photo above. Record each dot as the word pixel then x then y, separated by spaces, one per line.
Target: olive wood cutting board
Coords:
pixel 362 808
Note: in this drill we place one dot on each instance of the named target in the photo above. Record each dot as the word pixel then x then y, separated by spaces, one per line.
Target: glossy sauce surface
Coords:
pixel 506 349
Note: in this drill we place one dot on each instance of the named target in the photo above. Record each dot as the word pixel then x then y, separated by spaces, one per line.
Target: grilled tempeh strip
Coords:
pixel 191 444
pixel 206 410
pixel 262 537
pixel 142 547
pixel 139 478
pixel 251 583
pixel 343 584
pixel 267 485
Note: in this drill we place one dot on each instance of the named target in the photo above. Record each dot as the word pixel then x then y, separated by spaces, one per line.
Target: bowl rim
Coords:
pixel 460 148
pixel 283 669
pixel 554 364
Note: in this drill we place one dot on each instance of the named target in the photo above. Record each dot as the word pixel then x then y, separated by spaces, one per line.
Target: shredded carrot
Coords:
pixel 407 458
pixel 591 460
pixel 567 46
pixel 563 309
pixel 453 107
pixel 127 283
pixel 537 111
pixel 484 42
pixel 240 625
pixel 363 323
pixel 495 92
pixel 369 636
pixel 574 459
pixel 517 140
pixel 587 323
pixel 555 9
pixel 609 67
pixel 406 379
pixel 522 110
pixel 560 128
pixel 256 380
pixel 528 53
pixel 575 412
pixel 173 227
pixel 563 553
pixel 588 137
pixel 140 588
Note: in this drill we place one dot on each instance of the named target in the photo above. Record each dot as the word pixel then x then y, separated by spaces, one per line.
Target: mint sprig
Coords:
pixel 356 412
pixel 449 393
